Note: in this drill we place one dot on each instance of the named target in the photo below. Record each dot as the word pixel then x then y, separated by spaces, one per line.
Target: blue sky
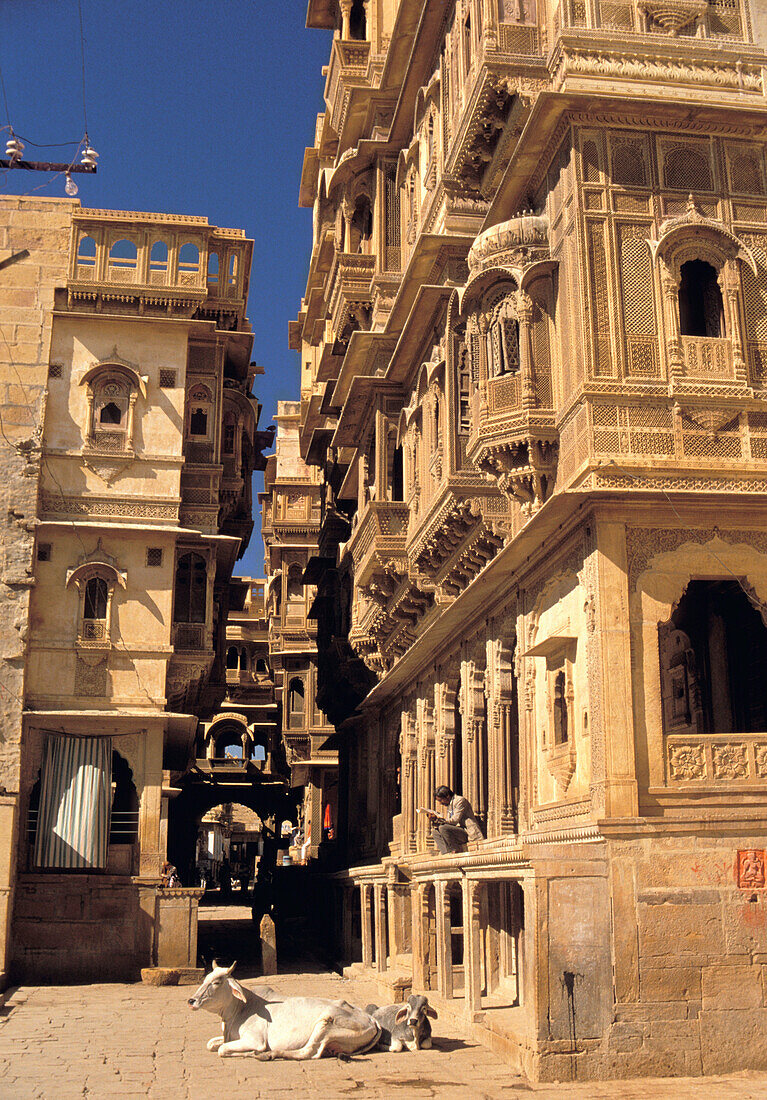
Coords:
pixel 195 107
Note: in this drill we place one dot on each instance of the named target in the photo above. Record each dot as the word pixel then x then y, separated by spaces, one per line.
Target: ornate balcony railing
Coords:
pixel 348 291
pixel 379 536
pixel 348 69
pixel 706 357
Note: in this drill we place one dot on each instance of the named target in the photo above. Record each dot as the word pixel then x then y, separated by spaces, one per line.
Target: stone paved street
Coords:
pixel 137 1041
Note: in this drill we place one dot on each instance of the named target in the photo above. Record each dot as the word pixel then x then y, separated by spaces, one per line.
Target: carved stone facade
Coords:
pixel 290 511
pixel 136 431
pixel 533 380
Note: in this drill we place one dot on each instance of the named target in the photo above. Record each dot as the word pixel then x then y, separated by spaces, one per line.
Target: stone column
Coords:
pixel 130 419
pixel 729 286
pixel 501 738
pixel 473 723
pixel 444 941
pixel 347 901
pixel 346 11
pixel 611 636
pixel 400 920
pixel 472 947
pixel 670 286
pixel 488 24
pixel 348 214
pixel 444 730
pixel 429 786
pixel 510 775
pixel 418 902
pixel 379 910
pixel 367 939
pixel 526 366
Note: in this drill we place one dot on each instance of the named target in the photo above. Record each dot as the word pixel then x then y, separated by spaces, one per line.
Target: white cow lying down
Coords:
pixel 261 1023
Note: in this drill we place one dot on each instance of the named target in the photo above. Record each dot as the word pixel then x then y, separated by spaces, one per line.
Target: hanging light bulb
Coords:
pixel 70 186
pixel 13 148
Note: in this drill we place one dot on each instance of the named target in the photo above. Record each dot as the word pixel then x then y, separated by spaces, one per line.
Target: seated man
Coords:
pixel 452 832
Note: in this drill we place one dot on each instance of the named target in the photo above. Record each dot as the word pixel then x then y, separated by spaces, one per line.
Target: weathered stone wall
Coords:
pixel 690 956
pixel 42 227
pixel 80 929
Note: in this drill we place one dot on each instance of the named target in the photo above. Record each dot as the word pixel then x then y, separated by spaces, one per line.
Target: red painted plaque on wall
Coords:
pixel 751 864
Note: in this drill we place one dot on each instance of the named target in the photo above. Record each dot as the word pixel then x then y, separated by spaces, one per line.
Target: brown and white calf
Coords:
pixel 404 1025
pixel 260 1022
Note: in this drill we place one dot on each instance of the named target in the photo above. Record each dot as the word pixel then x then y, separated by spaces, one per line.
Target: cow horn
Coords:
pixel 231 968
pixel 215 964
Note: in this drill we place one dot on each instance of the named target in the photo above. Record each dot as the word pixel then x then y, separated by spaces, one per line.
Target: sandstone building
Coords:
pixel 533 348
pixel 130 436
pixel 290 518
pixel 239 755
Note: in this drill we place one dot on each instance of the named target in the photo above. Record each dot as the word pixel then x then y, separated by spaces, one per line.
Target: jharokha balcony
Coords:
pixel 513 444
pixel 168 263
pixel 348 292
pixel 378 539
pixel 349 68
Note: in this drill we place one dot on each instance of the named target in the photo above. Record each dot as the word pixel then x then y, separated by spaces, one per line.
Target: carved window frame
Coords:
pixel 111 382
pixel 95 633
pixel 694 237
pixel 199 399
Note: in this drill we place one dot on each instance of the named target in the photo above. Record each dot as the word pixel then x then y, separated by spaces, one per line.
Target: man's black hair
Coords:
pixel 443 792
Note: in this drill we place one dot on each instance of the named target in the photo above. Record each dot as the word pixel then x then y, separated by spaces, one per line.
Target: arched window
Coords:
pixel 230 433
pixel 200 404
pixel 628 164
pixel 296 701
pixel 111 413
pixel 158 262
pixel 190 590
pixel 362 226
pixel 111 391
pixel 233 269
pixel 561 732
pixel 503 347
pixel 122 260
pixel 467 43
pixel 701 311
pixel 96 595
pixel 295 583
pixel 713 652
pixel 110 395
pixel 229 747
pixel 86 258
pixel 123 822
pixel 188 263
pixel 231 657
pixel 358 22
pixel 213 269
pixel 95 581
pixel 397 479
pixel 262 668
